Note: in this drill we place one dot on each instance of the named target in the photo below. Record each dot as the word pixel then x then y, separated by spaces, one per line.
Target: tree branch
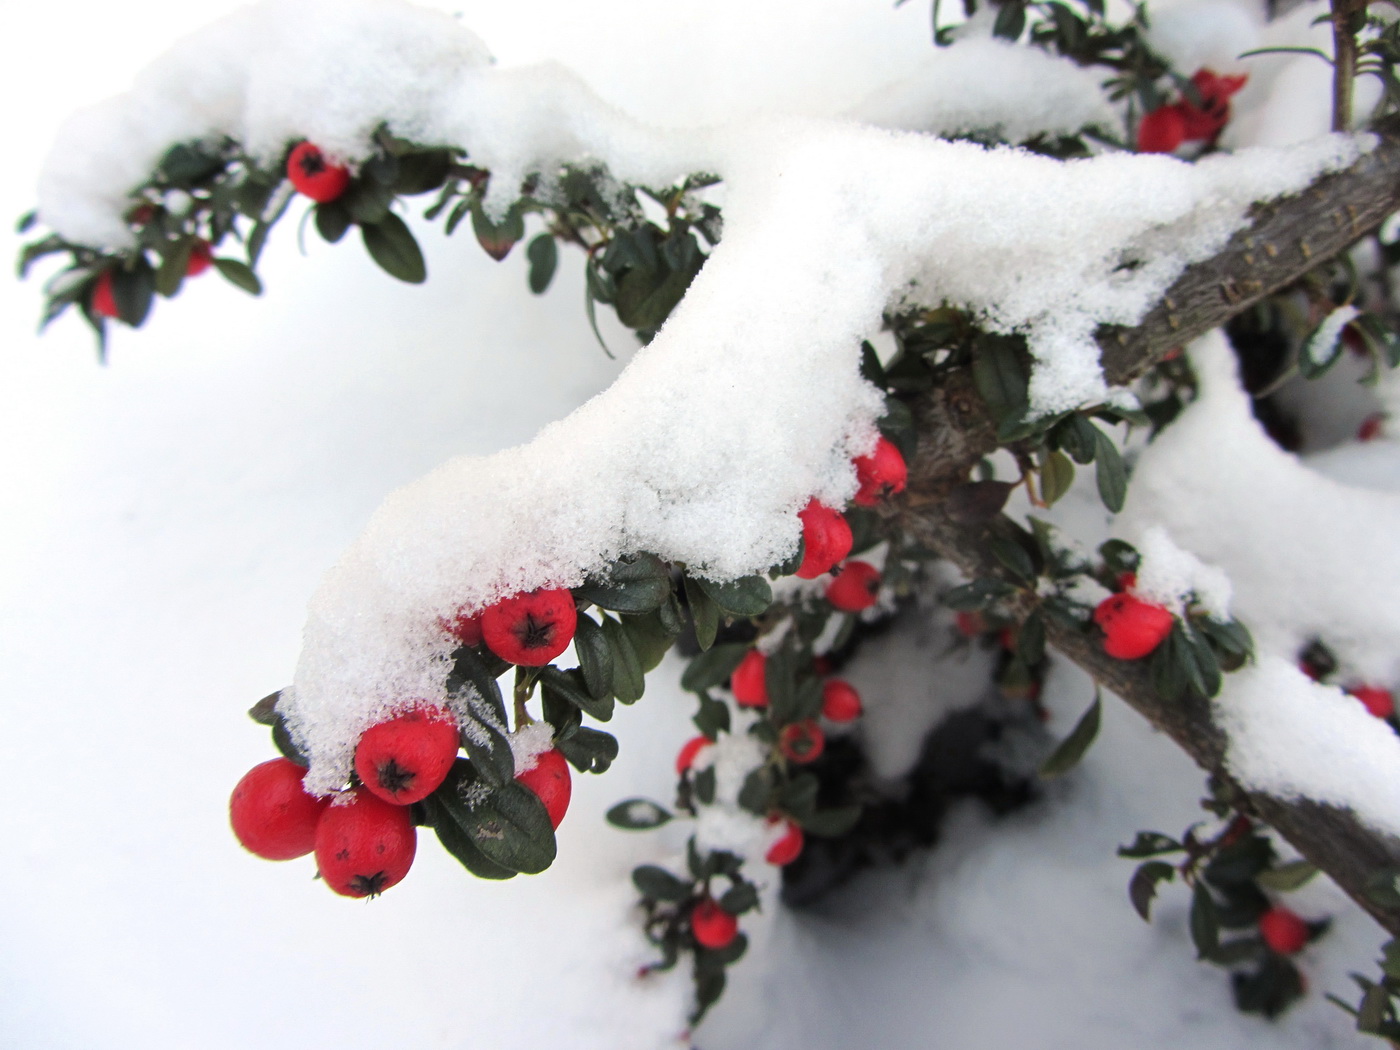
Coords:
pixel 1286 239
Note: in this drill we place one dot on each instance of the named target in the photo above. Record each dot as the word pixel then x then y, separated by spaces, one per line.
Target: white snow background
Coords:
pixel 165 518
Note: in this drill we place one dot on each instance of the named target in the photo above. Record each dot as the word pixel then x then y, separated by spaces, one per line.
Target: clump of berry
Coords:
pixel 840 701
pixel 530 629
pixel 881 473
pixel 1284 931
pixel 314 176
pixel 404 759
pixel 550 779
pixel 1132 628
pixel 826 539
pixel 364 845
pixel 271 813
pixel 855 587
pixel 711 925
pixel 749 682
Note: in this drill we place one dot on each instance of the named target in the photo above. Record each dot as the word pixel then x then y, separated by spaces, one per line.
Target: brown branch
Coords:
pixel 1286 239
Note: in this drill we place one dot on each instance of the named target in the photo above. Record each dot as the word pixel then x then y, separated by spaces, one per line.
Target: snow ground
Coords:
pixel 165 518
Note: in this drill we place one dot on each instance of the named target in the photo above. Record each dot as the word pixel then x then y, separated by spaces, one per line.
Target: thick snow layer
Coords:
pixel 1170 576
pixel 1308 557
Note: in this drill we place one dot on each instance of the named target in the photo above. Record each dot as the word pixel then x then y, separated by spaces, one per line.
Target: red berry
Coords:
pixel 970 624
pixel 1132 627
pixel 365 845
pixel 855 587
pixel 1283 931
pixel 103 301
pixel 802 742
pixel 466 629
pixel 404 759
pixel 689 750
pixel 549 778
pixel 749 682
pixel 1206 121
pixel 713 927
pixel 272 814
pixel 315 176
pixel 1378 701
pixel 1371 427
pixel 1162 130
pixel 531 629
pixel 201 258
pixel 840 701
pixel 826 539
pixel 787 848
pixel 881 473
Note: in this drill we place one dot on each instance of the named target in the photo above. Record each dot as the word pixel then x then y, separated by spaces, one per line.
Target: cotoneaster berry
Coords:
pixel 271 813
pixel 1380 702
pixel 970 624
pixel 550 779
pixel 749 682
pixel 802 742
pixel 1284 931
pixel 854 587
pixel 314 176
pixel 1204 122
pixel 530 629
pixel 840 701
pixel 881 473
pixel 826 539
pixel 104 301
pixel 685 758
pixel 364 845
pixel 1161 131
pixel 201 258
pixel 466 629
pixel 1371 427
pixel 712 926
pixel 404 759
pixel 1132 628
pixel 787 848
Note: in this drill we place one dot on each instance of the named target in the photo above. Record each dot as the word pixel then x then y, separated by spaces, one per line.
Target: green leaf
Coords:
pixel 712 718
pixel 976 502
pixel 422 172
pixel 571 688
pixel 650 636
pixel 282 739
pixel 239 275
pixel 484 735
pixel 1072 748
pixel 595 657
pixel 498 237
pixel 507 823
pixel 832 823
pixel 1120 556
pixel 391 245
pixel 1205 926
pixel 1077 436
pixel 628 681
pixel 798 797
pixel 134 289
pixel 367 201
pixel 713 668
pixel 171 273
pixel 870 368
pixel 332 220
pixel 704 613
pixel 1056 476
pixel 1150 844
pixel 658 884
pixel 187 164
pixel 1142 888
pixel 1315 357
pixel 638 814
pixel 1240 862
pixel 977 595
pixel 640 583
pixel 543 255
pixel 1030 639
pixel 757 790
pixel 1109 471
pixel 264 712
pixel 746 596
pixel 1287 877
pixel 589 750
pixel 740 898
pixel 780 678
pixel 1000 377
pixel 705 786
pixel 1013 557
pixel 458 843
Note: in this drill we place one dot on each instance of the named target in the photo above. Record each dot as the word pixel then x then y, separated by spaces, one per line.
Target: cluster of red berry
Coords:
pixel 103 299
pixel 1167 127
pixel 1318 664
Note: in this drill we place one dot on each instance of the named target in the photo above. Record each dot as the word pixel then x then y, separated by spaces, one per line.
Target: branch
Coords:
pixel 1286 239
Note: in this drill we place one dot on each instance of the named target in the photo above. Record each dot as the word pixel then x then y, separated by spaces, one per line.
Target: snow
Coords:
pixel 1170 576
pixel 165 518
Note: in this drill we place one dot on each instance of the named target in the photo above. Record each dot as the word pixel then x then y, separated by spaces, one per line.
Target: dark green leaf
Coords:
pixel 1150 844
pixel 705 786
pixel 498 237
pixel 975 502
pixel 1205 927
pixel 187 164
pixel 264 712
pixel 746 596
pixel 1143 886
pixel 1120 556
pixel 712 718
pixel 640 583
pixel 1109 471
pixel 1287 877
pixel 571 687
pixel 589 750
pixel 133 289
pixel 1011 20
pixel 367 201
pixel 1000 377
pixel 658 884
pixel 1030 640
pixel 1013 557
pixel 543 255
pixel 239 275
pixel 628 681
pixel 171 273
pixel 422 172
pixel 507 823
pixel 1240 862
pixel 282 738
pixel 713 668
pixel 757 790
pixel 870 368
pixel 739 899
pixel 1056 476
pixel 484 735
pixel 638 814
pixel 332 220
pixel 1383 888
pixel 704 613
pixel 651 640
pixel 977 595
pixel 458 843
pixel 390 243
pixel 1316 356
pixel 595 657
pixel 831 823
pixel 1077 436
pixel 798 797
pixel 1072 748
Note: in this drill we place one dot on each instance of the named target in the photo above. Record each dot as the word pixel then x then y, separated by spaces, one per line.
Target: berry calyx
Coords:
pixel 1380 702
pixel 550 779
pixel 881 473
pixel 364 845
pixel 201 258
pixel 404 759
pixel 855 587
pixel 840 701
pixel 685 758
pixel 1284 931
pixel 1132 628
pixel 749 682
pixel 530 629
pixel 826 539
pixel 1162 130
pixel 104 301
pixel 802 742
pixel 271 813
pixel 711 925
pixel 466 629
pixel 314 176
pixel 787 848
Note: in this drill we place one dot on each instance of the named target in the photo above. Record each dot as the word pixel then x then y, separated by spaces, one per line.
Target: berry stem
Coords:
pixel 524 686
